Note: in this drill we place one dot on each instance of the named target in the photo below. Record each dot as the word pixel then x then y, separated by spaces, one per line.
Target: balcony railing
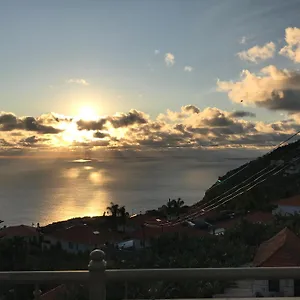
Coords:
pixel 97 275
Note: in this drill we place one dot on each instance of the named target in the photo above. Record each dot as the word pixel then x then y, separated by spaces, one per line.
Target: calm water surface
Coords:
pixel 48 190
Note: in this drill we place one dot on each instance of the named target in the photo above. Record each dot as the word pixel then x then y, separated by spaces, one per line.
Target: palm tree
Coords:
pixel 173 207
pixel 177 205
pixel 168 208
pixel 124 215
pixel 113 210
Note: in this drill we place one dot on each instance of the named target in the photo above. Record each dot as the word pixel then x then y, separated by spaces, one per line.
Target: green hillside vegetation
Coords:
pixel 274 187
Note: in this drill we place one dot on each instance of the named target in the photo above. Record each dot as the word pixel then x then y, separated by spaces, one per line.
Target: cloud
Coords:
pixel 169 59
pixel 100 135
pixel 242 114
pixel 188 69
pixel 243 40
pixel 9 122
pixel 79 81
pixel 134 117
pixel 191 108
pixel 258 53
pixel 273 89
pixel 156 52
pixel 91 125
pixel 292 48
pixel 188 127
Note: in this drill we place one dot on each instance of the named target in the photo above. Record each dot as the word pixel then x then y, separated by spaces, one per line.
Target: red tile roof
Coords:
pixel 20 231
pixel 291 201
pixel 83 234
pixel 260 217
pixel 139 220
pixel 227 223
pixel 154 232
pixel 255 217
pixel 279 251
pixel 55 294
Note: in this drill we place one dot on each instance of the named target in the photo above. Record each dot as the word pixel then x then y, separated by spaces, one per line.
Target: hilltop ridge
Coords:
pixel 258 183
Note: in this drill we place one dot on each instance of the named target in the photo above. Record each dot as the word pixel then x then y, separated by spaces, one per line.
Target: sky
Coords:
pixel 147 73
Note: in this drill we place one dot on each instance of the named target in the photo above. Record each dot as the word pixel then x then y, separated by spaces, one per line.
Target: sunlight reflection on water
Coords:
pixel 58 190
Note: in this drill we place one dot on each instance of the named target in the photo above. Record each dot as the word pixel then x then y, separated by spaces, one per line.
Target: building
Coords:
pixel 28 233
pixel 81 238
pixel 144 235
pixel 257 217
pixel 282 250
pixel 288 206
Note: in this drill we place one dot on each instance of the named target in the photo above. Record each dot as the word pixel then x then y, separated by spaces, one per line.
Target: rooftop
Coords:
pixel 280 250
pixel 84 234
pixel 20 231
pixel 291 201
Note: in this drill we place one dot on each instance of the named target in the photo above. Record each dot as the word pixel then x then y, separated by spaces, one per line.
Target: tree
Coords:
pixel 118 213
pixel 173 207
pixel 124 215
pixel 113 210
pixel 178 204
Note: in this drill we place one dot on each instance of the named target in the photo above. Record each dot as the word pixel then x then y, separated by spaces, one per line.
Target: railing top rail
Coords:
pixel 154 274
pixel 44 276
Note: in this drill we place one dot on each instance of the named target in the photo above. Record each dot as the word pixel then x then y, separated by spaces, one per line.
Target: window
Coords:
pixel 274 286
pixel 70 245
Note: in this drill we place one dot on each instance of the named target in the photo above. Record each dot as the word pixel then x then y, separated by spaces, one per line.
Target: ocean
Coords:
pixel 48 190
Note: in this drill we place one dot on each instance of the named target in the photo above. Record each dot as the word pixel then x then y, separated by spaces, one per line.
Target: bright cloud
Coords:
pixel 156 52
pixel 273 89
pixel 258 53
pixel 78 81
pixel 292 48
pixel 188 69
pixel 169 59
pixel 189 127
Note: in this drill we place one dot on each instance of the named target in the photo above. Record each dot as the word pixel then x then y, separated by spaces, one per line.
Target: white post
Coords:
pixel 97 266
pixel 37 293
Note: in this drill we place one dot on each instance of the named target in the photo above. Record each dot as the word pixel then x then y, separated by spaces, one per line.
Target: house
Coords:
pixel 135 222
pixel 288 206
pixel 133 244
pixel 282 250
pixel 28 233
pixel 252 217
pixel 81 238
pixel 147 233
pixel 260 217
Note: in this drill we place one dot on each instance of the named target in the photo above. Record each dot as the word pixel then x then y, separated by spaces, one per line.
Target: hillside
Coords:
pixel 257 183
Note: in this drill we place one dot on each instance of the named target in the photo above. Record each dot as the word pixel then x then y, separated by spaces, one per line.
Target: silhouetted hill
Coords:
pixel 255 184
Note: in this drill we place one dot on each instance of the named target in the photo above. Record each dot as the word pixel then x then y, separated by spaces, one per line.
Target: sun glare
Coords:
pixel 87 113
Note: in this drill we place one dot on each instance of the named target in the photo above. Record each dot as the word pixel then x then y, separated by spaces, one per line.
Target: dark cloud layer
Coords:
pixel 189 127
pixel 134 117
pixel 191 108
pixel 91 125
pixel 242 114
pixel 100 135
pixel 9 122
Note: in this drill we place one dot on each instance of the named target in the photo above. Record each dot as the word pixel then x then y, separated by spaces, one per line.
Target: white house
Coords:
pixel 130 244
pixel 288 206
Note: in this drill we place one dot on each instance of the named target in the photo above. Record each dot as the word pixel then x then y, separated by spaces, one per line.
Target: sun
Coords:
pixel 87 113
